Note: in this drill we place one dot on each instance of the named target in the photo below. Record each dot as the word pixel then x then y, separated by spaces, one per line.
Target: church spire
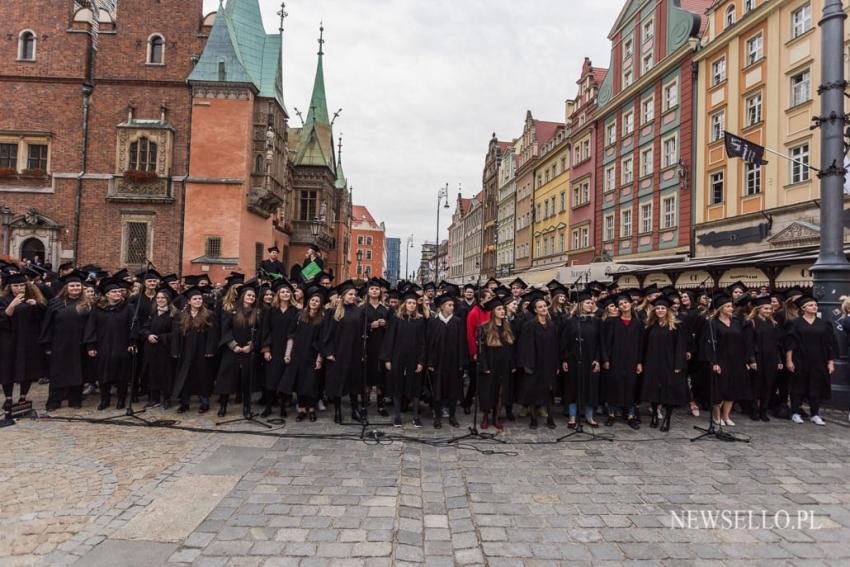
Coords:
pixel 318 103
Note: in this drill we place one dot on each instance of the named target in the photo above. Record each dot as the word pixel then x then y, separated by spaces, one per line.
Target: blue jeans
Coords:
pixel 588 411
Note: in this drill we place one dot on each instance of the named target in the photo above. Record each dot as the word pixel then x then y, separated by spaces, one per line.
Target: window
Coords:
pixel 749 5
pixel 563 201
pixel 718 71
pixel 801 20
pixel 671 95
pixel 610 178
pixel 608 227
pixel 801 87
pixel 308 209
pixel 259 247
pixel 360 240
pixel 9 156
pixel 368 271
pixel 670 148
pixel 646 162
pixel 142 155
pixel 646 62
pixel 716 187
pixel 610 133
pixel 717 125
pixel 753 174
pixel 625 223
pixel 669 218
pixel 627 173
pixel 581 194
pixel 628 77
pixel 136 242
pixel 259 165
pixel 576 239
pixel 646 218
pixel 368 241
pixel 539 249
pixel 628 49
pixel 648 29
pixel 647 110
pixel 553 205
pixel 156 50
pixel 800 165
pixel 753 109
pixel 628 123
pixel 37 157
pixel 546 209
pixel 561 242
pixel 754 49
pixel 26 46
pixel 730 15
pixel 581 238
pixel 212 247
pixel 368 254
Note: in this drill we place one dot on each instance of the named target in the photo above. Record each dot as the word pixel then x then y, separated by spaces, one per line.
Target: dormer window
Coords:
pixel 26 46
pixel 730 15
pixel 156 50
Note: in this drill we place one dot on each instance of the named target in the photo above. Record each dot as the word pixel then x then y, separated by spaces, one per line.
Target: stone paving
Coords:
pixel 96 495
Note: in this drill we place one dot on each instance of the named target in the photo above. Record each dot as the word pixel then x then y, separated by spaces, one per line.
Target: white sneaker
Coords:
pixel 816 419
pixel 730 423
pixel 321 406
pixel 796 418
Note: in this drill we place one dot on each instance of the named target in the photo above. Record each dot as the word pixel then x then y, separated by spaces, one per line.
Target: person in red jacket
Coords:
pixel 477 316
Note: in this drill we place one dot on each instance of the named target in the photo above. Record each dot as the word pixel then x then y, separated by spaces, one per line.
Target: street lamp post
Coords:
pixel 407 257
pixel 442 193
pixel 831 271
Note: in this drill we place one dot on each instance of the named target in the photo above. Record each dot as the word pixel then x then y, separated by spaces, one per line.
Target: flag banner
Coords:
pixel 310 271
pixel 744 149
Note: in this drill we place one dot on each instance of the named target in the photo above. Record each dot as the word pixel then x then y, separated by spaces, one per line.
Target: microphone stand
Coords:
pixel 247 413
pixel 364 390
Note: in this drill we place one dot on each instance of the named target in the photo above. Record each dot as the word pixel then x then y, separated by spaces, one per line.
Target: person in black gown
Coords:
pixel 539 358
pixel 194 344
pixel 377 318
pixel 581 343
pixel 157 363
pixel 764 334
pixel 22 308
pixel 343 350
pixel 62 339
pixel 729 355
pixel 303 356
pixel 447 357
pixel 239 337
pixel 278 325
pixel 404 354
pixel 663 363
pixel 810 358
pixel 497 361
pixel 622 355
pixel 110 342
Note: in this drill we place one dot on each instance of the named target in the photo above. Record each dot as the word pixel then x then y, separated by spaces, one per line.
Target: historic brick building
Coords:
pixel 94 142
pixel 368 238
pixel 490 182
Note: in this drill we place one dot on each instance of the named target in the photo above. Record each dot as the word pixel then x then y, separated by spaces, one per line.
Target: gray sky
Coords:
pixel 424 83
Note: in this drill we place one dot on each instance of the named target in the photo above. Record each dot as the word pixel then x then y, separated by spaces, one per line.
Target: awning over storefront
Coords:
pixel 538 276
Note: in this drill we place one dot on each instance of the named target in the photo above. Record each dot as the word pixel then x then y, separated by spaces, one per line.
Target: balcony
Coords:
pixel 135 186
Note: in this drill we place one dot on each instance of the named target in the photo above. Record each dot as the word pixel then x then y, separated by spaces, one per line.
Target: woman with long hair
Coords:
pixel 342 350
pixel 692 321
pixel 729 355
pixel 278 324
pixel 239 337
pixel 62 339
pixel 298 296
pixel 622 354
pixel 303 358
pixel 764 334
pixel 195 344
pixel 377 319
pixel 475 317
pixel 109 341
pixel 21 311
pixel 581 344
pixel 404 354
pixel 810 358
pixel 663 363
pixel 497 362
pixel 447 357
pixel 157 363
pixel 539 358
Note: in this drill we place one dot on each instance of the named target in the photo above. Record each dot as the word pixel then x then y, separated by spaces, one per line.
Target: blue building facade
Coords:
pixel 393 265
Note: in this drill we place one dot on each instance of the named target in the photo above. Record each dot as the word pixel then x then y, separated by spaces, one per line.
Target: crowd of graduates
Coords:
pixel 505 351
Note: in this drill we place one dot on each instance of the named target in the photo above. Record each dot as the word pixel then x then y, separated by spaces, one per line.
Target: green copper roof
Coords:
pixel 239 41
pixel 318 102
pixel 315 145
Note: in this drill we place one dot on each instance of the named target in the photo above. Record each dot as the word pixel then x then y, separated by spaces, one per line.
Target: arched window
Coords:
pixel 259 165
pixel 26 46
pixel 730 15
pixel 156 50
pixel 142 155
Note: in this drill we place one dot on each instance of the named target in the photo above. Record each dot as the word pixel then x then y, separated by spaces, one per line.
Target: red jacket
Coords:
pixel 474 319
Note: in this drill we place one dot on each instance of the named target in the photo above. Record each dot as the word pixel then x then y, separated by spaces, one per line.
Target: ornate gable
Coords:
pixel 798 233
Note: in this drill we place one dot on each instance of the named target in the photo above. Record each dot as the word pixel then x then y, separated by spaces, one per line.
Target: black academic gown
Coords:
pixel 404 349
pixel 765 339
pixel 375 370
pixel 447 354
pixel 812 345
pixel 108 332
pixel 586 333
pixel 22 355
pixel 194 374
pixel 277 328
pixel 622 349
pixel 62 335
pixel 497 365
pixel 271 267
pixel 664 378
pixel 157 363
pixel 300 375
pixel 236 368
pixel 732 355
pixel 343 341
pixel 539 358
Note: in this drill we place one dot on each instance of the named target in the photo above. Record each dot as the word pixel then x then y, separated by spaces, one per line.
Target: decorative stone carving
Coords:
pixel 798 233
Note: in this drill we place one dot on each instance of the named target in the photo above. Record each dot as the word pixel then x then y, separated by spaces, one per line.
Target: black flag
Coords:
pixel 744 149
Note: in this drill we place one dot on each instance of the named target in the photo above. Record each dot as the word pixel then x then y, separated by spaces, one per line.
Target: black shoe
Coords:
pixel 121 404
pixel 550 422
pixel 437 423
pixel 301 416
pixel 266 412
pixel 509 414
pixel 102 405
pixel 610 421
pixel 204 408
pixel 382 411
pixel 183 408
pixel 337 415
pixel 397 421
pixel 166 404
pixel 222 410
pixel 653 423
pixel 634 424
pixel 417 423
pixel 665 425
pixel 466 410
pixel 7 405
pixel 763 416
pixel 283 410
pixel 532 423
pixel 312 416
pixel 355 415
pixel 754 415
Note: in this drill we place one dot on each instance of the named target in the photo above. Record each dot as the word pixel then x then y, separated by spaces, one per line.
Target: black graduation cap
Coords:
pixel 74 277
pixel 429 286
pixel 595 286
pixel 409 294
pixel 634 292
pixel 281 283
pixel 502 292
pixel 492 304
pixel 520 283
pixel 651 289
pixel 623 297
pixel 192 292
pixel 661 302
pixel 191 280
pixel 778 295
pixel 761 301
pixel 121 274
pixel 148 275
pixel 110 284
pixel 533 296
pixel 804 300
pixel 373 282
pixel 793 292
pixel 452 289
pixel 469 286
pixel 384 283
pixel 553 284
pixel 720 299
pixel 583 295
pixel 324 276
pixel 558 290
pixel 394 294
pixel 167 291
pixel 273 249
pixel 673 295
pixel 91 268
pixel 743 301
pixel 233 279
pixel 168 278
pixel 204 279
pixel 737 285
pixel 492 281
pixel 15 279
pixel 441 299
pixel 668 290
pixel 66 266
pixel 316 291
pixel 345 286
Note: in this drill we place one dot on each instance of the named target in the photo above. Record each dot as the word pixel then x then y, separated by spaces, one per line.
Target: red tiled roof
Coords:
pixel 504 145
pixel 480 196
pixel 361 214
pixel 545 130
pixel 698 7
pixel 598 75
pixel 464 205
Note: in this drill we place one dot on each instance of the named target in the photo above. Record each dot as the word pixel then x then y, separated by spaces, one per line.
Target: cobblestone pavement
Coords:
pixel 96 495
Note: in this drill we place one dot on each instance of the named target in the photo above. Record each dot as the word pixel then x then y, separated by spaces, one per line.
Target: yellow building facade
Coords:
pixel 758 75
pixel 551 207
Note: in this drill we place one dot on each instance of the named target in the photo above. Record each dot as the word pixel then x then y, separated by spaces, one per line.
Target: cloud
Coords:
pixel 423 85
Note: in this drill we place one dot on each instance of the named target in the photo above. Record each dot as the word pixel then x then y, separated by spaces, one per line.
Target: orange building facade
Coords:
pixel 367 236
